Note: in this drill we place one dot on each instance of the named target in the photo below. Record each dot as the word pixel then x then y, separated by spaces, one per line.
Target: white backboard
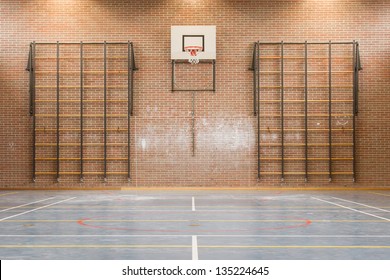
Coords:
pixel 190 35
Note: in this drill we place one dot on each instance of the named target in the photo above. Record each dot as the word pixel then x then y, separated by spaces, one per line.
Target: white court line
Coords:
pixel 380 194
pixel 193 204
pixel 181 211
pixel 380 209
pixel 195 248
pixel 186 235
pixel 352 209
pixel 35 209
pixel 27 204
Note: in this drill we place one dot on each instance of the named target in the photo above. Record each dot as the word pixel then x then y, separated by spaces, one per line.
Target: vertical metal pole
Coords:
pixel 193 123
pixel 132 78
pixel 282 105
pixel 29 68
pixel 257 86
pixel 254 65
pixel 33 105
pixel 355 71
pixel 58 111
pixel 129 94
pixel 306 136
pixel 330 111
pixel 81 113
pixel 105 111
pixel 214 76
pixel 173 75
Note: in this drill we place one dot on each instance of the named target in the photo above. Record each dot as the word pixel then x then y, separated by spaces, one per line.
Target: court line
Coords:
pixel 91 246
pixel 195 248
pixel 352 209
pixel 186 235
pixel 380 209
pixel 193 204
pixel 27 204
pixel 4 194
pixel 189 220
pixel 35 209
pixel 296 246
pixel 142 246
pixel 380 193
pixel 205 211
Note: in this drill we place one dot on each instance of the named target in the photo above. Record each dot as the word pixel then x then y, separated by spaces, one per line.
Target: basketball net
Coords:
pixel 193 51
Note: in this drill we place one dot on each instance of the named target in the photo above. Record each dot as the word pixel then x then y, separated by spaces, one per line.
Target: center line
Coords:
pixel 195 248
pixel 193 204
pixel 352 209
pixel 35 209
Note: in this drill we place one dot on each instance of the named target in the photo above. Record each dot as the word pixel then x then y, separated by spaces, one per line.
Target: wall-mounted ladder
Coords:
pixel 81 100
pixel 305 98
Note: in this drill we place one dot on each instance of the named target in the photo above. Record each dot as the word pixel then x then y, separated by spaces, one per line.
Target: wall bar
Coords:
pixel 90 43
pixel 330 111
pixel 254 69
pixel 33 105
pixel 133 68
pixel 354 109
pixel 214 86
pixel 105 111
pixel 173 75
pixel 81 113
pixel 309 43
pixel 306 136
pixel 129 102
pixel 282 104
pixel 257 86
pixel 58 111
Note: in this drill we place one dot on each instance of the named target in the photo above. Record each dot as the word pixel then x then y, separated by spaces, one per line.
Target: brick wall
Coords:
pixel 225 128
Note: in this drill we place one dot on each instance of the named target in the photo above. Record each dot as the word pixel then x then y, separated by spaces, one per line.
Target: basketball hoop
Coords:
pixel 193 51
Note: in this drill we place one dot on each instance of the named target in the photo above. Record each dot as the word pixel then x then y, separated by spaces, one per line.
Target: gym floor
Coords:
pixel 195 224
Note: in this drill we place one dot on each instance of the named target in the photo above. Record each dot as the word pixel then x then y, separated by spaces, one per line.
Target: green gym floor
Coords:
pixel 195 224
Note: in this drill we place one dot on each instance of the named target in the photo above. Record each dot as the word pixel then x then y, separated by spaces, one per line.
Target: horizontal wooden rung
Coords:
pixel 78 100
pixel 78 57
pixel 308 115
pixel 302 57
pixel 78 130
pixel 77 159
pixel 303 173
pixel 309 144
pixel 78 173
pixel 84 72
pixel 85 87
pixel 336 159
pixel 78 144
pixel 309 129
pixel 324 86
pixel 85 115
pixel 302 101
pixel 303 72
